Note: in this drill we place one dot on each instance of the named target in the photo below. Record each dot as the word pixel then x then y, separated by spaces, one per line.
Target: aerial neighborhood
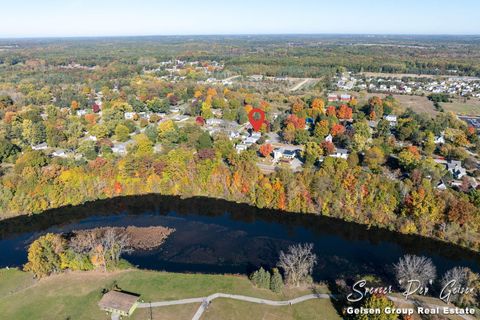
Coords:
pixel 213 177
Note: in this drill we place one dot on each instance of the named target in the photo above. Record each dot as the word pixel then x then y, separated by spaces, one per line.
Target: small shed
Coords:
pixel 118 302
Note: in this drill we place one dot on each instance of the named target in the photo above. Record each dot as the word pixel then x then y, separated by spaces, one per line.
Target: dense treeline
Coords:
pixel 312 56
pixel 336 189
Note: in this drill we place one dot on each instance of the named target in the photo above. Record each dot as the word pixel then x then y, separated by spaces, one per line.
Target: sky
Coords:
pixel 70 18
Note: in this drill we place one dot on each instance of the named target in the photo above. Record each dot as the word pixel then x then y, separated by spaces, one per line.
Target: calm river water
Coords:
pixel 214 236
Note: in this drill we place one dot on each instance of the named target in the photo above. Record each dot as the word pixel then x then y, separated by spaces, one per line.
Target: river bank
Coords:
pixel 216 236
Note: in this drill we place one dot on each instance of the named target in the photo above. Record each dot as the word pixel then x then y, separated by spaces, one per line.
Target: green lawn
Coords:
pixel 470 107
pixel 13 280
pixel 75 296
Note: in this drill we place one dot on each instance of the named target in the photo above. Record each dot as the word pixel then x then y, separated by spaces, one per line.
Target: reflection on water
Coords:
pixel 216 236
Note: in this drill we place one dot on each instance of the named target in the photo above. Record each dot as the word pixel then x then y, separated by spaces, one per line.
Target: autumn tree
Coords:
pixel 321 129
pixel 344 112
pixel 337 129
pixel 375 302
pixel 312 152
pixel 143 145
pixel 375 107
pixel 409 157
pixel 266 150
pixel 318 104
pixel 374 158
pixel 44 255
pixel 331 111
pixel 122 133
pixel 288 133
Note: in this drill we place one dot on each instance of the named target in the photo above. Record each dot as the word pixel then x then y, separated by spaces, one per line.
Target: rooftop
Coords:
pixel 117 300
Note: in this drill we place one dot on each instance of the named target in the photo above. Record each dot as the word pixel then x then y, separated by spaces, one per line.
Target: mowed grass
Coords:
pixel 471 107
pixel 75 296
pixel 223 309
pixel 13 280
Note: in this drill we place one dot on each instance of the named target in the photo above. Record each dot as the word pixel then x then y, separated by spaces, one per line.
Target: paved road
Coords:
pixel 231 78
pixel 205 301
pixel 299 85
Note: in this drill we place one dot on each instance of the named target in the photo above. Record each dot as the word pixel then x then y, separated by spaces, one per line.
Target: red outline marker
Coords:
pixel 256 123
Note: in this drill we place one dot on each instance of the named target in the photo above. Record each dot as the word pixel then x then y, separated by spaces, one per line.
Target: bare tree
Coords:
pixel 415 268
pixel 455 278
pixel 115 242
pixel 297 263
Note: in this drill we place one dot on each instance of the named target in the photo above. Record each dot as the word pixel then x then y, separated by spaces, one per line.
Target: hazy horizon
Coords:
pixel 121 18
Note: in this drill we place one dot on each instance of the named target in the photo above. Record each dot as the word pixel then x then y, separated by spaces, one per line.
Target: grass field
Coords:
pixel 470 107
pixel 75 296
pixel 416 103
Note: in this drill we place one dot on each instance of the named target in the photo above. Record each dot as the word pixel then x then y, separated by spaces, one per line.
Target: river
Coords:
pixel 216 236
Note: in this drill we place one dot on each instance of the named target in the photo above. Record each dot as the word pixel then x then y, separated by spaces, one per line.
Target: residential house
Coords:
pixel 441 186
pixel 41 146
pixel 456 169
pixel 392 119
pixel 284 154
pixel 121 147
pixel 241 147
pixel 332 97
pixel 340 153
pixel 119 303
pixel 440 139
pixel 129 115
pixel 345 97
pixel 59 153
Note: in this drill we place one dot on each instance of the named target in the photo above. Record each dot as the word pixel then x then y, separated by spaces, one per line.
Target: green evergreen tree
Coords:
pixel 264 279
pixel 276 281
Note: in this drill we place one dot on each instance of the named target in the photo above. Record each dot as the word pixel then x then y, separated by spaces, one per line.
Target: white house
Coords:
pixel 120 148
pixel 392 119
pixel 440 139
pixel 281 153
pixel 256 135
pixel 456 169
pixel 241 147
pixel 250 140
pixel 329 138
pixel 129 115
pixel 340 153
pixel 59 153
pixel 41 146
pixel 81 112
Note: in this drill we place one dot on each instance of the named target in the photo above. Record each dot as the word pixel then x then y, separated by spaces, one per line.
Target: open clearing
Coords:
pixel 458 105
pixel 75 295
pixel 418 104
